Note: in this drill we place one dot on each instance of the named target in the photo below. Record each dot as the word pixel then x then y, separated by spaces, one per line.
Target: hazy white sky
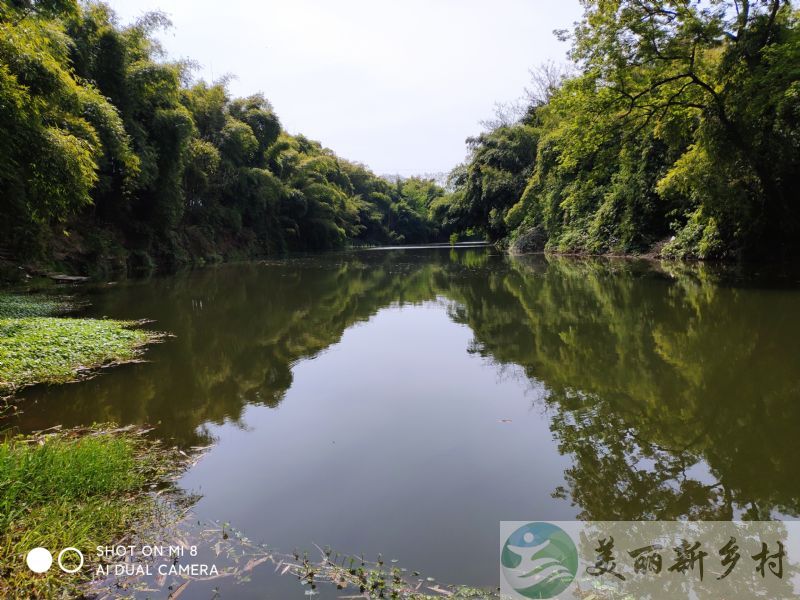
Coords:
pixel 395 84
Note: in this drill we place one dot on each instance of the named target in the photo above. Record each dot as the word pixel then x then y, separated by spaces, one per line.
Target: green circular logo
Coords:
pixel 539 560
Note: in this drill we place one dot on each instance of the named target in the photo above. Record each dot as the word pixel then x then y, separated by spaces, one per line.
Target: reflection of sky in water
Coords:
pixel 376 448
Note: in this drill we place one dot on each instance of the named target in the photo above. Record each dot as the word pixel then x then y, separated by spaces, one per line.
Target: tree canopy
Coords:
pixel 676 131
pixel 679 130
pixel 110 152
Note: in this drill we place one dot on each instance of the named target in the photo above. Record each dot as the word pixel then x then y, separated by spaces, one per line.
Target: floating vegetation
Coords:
pixel 36 347
pixel 236 557
pixel 18 306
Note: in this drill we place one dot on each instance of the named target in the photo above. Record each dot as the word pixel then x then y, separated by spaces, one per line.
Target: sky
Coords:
pixel 395 84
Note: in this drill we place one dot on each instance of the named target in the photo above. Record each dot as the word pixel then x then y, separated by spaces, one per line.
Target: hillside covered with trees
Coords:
pixel 112 157
pixel 675 131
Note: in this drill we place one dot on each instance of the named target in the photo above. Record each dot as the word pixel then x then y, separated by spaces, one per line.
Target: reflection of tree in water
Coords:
pixel 239 330
pixel 651 374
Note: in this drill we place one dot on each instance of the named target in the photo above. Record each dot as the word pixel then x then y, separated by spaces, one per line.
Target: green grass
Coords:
pixel 66 490
pixel 35 348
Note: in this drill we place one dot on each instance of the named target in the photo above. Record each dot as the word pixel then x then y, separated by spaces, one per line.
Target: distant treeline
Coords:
pixel 675 130
pixel 111 157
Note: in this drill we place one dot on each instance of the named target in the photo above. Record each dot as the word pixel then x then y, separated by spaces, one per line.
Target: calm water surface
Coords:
pixel 404 402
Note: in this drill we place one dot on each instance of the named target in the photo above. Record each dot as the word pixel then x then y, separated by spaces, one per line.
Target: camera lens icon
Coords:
pixel 39 560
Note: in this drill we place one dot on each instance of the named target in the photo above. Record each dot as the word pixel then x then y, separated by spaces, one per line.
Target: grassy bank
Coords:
pixel 38 347
pixel 76 488
pixel 72 489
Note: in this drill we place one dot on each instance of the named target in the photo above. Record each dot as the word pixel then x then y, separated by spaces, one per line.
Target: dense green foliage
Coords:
pixel 680 127
pixel 677 130
pixel 111 154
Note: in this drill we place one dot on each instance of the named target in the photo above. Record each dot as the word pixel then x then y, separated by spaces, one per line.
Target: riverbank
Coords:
pixel 39 346
pixel 76 488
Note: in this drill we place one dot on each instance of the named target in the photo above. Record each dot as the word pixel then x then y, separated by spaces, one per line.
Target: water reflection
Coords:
pixel 673 393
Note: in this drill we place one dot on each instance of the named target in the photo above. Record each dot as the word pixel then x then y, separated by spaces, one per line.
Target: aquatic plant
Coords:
pixel 36 348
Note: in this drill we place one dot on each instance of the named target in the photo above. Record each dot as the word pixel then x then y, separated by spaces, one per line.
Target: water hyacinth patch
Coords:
pixel 38 348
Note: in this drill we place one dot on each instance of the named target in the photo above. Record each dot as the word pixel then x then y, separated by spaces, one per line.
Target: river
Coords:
pixel 405 401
